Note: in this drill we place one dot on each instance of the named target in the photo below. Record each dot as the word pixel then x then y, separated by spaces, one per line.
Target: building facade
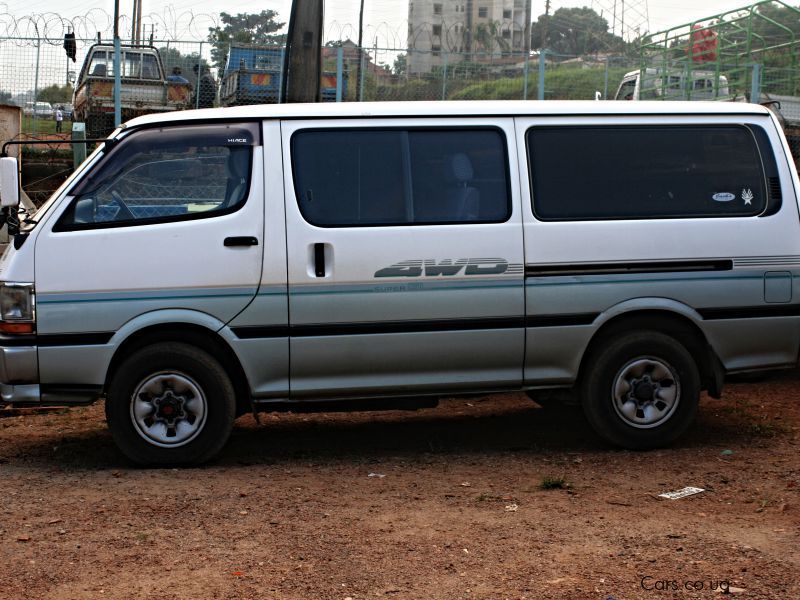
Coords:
pixel 451 31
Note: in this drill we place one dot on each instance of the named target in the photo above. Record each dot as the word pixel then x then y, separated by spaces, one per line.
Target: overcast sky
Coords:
pixel 381 16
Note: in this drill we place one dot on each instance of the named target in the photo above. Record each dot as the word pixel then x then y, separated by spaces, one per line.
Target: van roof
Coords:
pixel 506 108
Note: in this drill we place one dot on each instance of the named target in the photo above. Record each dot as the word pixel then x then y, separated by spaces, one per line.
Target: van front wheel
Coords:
pixel 641 390
pixel 170 403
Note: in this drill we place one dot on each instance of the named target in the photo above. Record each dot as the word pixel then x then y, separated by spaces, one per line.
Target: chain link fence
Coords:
pixel 55 91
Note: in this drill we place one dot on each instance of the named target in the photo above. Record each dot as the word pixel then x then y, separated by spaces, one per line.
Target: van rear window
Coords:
pixel 647 172
pixel 370 177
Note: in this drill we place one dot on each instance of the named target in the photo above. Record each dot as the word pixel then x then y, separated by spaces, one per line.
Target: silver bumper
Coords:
pixel 19 364
pixel 19 375
pixel 21 394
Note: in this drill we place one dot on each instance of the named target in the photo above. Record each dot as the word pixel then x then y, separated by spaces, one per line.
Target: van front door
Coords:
pixel 168 225
pixel 405 256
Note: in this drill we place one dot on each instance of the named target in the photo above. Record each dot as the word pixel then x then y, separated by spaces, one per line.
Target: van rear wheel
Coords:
pixel 641 390
pixel 170 403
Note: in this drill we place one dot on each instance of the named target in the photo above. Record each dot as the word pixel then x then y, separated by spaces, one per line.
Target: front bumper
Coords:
pixel 19 364
pixel 20 394
pixel 19 375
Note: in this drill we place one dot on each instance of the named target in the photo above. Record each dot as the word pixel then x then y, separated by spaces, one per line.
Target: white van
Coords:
pixel 210 263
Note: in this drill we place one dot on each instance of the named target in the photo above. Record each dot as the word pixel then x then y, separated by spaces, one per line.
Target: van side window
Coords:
pixel 647 172
pixel 363 177
pixel 166 174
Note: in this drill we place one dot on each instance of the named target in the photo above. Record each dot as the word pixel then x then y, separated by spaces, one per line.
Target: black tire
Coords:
pixel 195 390
pixel 645 369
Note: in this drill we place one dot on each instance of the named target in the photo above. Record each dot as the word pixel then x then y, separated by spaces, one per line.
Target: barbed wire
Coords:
pixel 173 24
pixel 50 28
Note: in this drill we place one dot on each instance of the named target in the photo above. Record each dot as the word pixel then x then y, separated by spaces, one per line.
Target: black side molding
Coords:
pixel 672 266
pixel 74 339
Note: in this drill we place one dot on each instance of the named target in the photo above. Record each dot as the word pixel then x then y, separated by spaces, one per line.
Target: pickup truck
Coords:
pixel 145 88
pixel 658 84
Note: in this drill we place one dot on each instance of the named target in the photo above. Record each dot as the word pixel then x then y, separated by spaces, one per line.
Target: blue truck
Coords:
pixel 253 76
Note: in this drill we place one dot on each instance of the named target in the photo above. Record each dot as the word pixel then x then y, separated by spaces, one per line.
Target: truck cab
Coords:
pixel 144 87
pixel 660 84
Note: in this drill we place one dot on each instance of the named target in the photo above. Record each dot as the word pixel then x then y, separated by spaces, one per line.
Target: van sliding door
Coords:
pixel 405 256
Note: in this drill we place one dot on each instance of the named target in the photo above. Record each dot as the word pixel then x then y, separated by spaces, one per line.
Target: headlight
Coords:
pixel 17 308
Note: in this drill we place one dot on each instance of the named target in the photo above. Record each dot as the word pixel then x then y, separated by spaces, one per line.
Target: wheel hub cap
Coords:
pixel 168 409
pixel 646 392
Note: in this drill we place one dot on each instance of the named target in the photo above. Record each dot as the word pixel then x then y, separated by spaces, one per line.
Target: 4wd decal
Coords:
pixel 449 267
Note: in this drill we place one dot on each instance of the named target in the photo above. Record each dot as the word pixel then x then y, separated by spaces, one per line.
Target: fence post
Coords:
pixel 36 81
pixel 525 71
pixel 199 74
pixel 361 76
pixel 444 77
pixel 78 150
pixel 339 68
pixel 755 83
pixel 542 60
pixel 605 80
pixel 282 78
pixel 117 80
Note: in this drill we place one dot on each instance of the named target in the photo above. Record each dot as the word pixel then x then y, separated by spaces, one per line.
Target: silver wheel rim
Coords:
pixel 168 409
pixel 646 392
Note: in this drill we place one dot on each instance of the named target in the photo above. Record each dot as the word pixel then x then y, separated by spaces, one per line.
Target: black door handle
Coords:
pixel 319 260
pixel 242 240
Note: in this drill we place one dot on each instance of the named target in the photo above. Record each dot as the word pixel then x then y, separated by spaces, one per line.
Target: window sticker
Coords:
pixel 747 196
pixel 723 197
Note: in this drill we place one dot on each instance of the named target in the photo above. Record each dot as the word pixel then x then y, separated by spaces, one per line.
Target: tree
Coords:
pixel 244 28
pixel 574 31
pixel 56 94
pixel 489 35
pixel 5 98
pixel 400 65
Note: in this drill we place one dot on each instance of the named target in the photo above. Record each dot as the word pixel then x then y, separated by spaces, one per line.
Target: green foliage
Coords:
pixel 489 36
pixel 244 28
pixel 5 97
pixel 574 31
pixel 560 83
pixel 400 66
pixel 56 94
pixel 39 125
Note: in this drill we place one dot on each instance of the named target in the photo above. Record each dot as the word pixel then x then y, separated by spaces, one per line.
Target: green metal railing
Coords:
pixel 754 50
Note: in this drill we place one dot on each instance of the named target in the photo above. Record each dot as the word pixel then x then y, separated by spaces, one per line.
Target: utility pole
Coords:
pixel 302 62
pixel 545 24
pixel 527 31
pixel 133 21
pixel 136 23
pixel 360 51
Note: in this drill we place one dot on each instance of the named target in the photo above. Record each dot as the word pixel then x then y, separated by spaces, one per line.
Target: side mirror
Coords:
pixel 9 182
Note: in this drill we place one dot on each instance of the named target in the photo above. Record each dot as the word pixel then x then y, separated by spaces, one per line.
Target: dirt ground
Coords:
pixel 441 503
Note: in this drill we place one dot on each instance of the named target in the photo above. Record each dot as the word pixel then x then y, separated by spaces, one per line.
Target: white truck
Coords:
pixel 658 84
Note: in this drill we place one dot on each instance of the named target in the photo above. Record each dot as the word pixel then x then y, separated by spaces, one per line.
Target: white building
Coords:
pixel 451 31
